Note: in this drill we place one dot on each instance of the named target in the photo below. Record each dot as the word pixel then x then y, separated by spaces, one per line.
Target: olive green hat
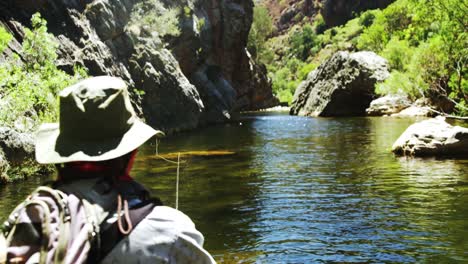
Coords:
pixel 97 122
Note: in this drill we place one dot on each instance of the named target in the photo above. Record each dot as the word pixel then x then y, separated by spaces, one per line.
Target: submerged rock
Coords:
pixel 388 105
pixel 433 137
pixel 341 86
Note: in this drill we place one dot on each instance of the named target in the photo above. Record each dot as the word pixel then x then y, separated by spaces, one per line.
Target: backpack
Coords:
pixel 77 222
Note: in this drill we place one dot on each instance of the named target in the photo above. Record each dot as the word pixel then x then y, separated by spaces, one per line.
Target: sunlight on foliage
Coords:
pixel 153 16
pixel 426 41
pixel 262 27
pixel 29 87
pixel 5 38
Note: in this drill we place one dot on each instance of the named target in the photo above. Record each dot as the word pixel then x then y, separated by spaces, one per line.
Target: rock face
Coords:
pixel 433 137
pixel 197 77
pixel 287 13
pixel 338 12
pixel 16 155
pixel 342 86
pixel 388 105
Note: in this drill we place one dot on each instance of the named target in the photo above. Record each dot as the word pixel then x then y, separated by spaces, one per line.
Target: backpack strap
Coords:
pixel 110 234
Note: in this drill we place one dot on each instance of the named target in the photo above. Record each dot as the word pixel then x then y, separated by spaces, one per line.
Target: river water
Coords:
pixel 274 188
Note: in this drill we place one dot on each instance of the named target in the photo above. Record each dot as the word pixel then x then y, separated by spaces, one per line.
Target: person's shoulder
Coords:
pixel 166 213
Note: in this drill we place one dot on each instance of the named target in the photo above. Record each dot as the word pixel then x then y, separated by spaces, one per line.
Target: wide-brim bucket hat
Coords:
pixel 97 122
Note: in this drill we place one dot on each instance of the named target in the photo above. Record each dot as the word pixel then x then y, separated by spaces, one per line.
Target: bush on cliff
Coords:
pixel 30 80
pixel 425 43
pixel 262 27
pixel 154 17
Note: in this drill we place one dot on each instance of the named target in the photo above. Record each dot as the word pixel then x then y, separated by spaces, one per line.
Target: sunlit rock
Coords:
pixel 341 86
pixel 414 110
pixel 387 105
pixel 433 137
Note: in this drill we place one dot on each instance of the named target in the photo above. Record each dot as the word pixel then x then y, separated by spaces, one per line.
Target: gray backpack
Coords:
pixel 67 224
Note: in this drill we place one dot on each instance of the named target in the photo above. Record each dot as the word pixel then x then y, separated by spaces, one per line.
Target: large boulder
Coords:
pixel 338 12
pixel 388 105
pixel 433 137
pixel 341 86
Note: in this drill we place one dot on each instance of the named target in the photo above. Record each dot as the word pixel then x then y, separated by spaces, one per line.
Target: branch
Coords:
pixel 448 116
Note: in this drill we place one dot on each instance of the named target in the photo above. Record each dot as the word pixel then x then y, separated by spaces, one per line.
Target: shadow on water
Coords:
pixel 284 189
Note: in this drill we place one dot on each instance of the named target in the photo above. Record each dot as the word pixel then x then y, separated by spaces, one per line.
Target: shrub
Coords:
pixel 373 38
pixel 29 87
pixel 398 53
pixel 399 82
pixel 367 18
pixel 151 14
pixel 261 28
pixel 303 41
pixel 305 70
pixel 320 25
pixel 5 38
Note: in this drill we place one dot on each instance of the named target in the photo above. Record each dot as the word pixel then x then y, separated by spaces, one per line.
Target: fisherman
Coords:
pixel 93 147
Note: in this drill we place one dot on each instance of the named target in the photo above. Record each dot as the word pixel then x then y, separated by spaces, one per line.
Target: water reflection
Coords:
pixel 312 190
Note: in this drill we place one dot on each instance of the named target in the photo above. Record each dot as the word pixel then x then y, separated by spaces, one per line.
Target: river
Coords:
pixel 287 189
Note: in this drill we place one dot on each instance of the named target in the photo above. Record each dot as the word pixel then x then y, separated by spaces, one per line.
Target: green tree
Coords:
pixel 304 43
pixel 261 28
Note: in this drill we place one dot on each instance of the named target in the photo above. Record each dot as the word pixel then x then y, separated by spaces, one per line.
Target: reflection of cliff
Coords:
pixel 199 76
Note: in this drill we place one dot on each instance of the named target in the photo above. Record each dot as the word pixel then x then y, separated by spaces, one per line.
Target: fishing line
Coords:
pixel 178 171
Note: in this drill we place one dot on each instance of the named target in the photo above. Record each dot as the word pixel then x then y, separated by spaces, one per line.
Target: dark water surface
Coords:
pixel 308 190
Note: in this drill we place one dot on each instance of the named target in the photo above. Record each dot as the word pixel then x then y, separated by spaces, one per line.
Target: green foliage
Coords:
pixel 187 11
pixel 5 38
pixel 286 79
pixel 425 41
pixel 319 24
pixel 374 38
pixel 152 15
pixel 304 43
pixel 262 27
pixel 39 47
pixel 201 23
pixel 366 19
pixel 398 53
pixel 29 87
pixel 399 82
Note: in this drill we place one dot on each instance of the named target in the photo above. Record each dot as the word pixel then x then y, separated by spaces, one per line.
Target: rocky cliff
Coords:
pixel 199 76
pixel 338 12
pixel 287 13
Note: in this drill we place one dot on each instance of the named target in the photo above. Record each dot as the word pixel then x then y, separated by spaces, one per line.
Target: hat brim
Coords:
pixel 51 147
